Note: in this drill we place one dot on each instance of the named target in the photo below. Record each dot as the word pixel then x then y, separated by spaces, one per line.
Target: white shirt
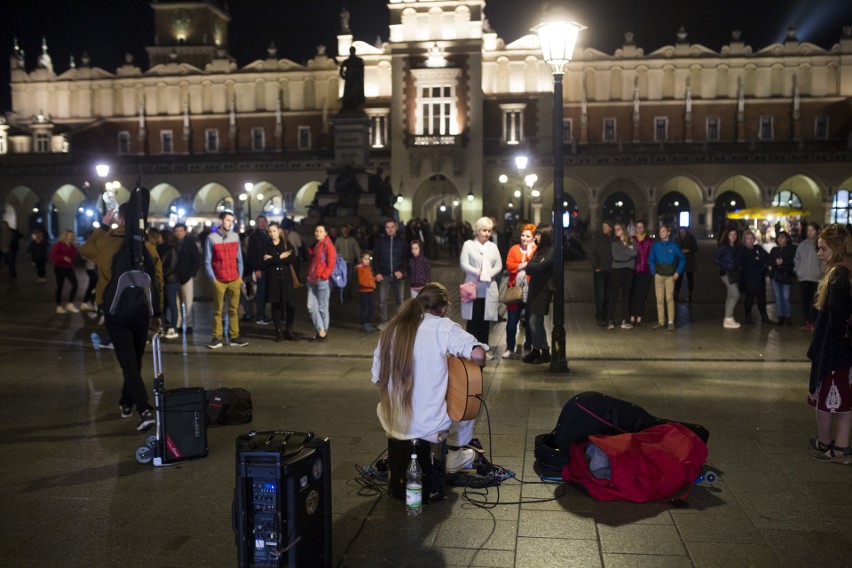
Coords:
pixel 436 337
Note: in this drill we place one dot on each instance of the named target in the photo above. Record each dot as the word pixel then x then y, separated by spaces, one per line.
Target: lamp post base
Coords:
pixel 558 359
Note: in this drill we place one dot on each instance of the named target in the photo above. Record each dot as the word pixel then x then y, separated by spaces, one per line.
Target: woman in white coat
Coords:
pixel 480 260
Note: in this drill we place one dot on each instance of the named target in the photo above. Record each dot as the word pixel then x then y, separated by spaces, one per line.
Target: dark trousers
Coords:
pixel 128 337
pixel 40 263
pixel 61 275
pixel 89 294
pixel 809 312
pixel 287 309
pixel 601 294
pixel 639 293
pixel 679 283
pixel 758 294
pixel 620 281
pixel 513 318
pixel 477 326
pixel 170 307
pixel 368 307
pixel 10 260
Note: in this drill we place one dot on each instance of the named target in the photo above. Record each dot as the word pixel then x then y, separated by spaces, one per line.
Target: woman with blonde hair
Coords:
pixel 830 388
pixel 481 262
pixel 410 370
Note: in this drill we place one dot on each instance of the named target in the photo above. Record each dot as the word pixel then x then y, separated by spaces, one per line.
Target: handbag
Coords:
pixel 733 275
pixel 295 277
pixel 467 291
pixel 514 294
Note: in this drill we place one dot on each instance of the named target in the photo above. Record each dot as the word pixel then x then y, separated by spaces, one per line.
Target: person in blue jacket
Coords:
pixel 667 263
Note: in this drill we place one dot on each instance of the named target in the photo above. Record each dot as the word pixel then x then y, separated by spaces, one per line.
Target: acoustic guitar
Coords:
pixel 464 387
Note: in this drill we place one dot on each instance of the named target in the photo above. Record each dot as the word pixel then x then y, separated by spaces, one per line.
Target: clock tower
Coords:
pixel 189 32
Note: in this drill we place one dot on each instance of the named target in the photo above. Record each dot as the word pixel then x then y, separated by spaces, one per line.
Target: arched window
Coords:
pixel 619 207
pixel 840 207
pixel 786 198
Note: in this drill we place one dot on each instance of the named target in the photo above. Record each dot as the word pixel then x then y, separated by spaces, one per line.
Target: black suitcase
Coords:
pixel 181 421
pixel 591 413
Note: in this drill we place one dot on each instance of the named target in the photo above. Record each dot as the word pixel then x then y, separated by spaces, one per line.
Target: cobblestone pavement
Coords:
pixel 74 495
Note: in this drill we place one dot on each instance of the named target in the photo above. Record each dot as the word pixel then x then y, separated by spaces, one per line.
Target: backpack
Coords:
pixel 594 413
pixel 130 292
pixel 652 465
pixel 229 406
pixel 339 273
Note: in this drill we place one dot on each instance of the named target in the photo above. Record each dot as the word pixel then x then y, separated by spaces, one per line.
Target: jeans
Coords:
pixel 385 285
pixel 318 293
pixel 368 308
pixel 220 289
pixel 782 298
pixel 128 339
pixel 664 290
pixel 170 307
pixel 512 320
pixel 733 296
pixel 539 340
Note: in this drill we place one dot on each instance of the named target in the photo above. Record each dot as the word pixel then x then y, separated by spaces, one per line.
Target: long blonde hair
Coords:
pixel 837 238
pixel 396 350
pixel 625 236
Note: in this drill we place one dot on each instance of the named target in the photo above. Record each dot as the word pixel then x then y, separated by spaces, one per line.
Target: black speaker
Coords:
pixel 282 500
pixel 182 416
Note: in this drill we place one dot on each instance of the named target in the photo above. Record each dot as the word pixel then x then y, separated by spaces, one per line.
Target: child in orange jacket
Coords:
pixel 366 285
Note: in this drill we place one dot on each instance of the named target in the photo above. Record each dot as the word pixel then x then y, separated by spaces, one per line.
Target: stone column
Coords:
pixel 536 207
pixel 709 206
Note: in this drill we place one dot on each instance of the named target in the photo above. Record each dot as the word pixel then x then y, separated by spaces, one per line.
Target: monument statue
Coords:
pixel 352 72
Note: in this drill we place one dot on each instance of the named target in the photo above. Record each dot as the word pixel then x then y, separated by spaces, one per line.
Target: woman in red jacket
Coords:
pixel 516 261
pixel 62 256
pixel 323 257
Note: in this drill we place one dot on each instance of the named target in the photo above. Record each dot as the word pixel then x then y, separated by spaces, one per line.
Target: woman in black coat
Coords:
pixel 540 271
pixel 830 391
pixel 753 278
pixel 278 257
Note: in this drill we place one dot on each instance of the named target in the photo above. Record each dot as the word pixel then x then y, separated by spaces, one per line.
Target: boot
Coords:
pixel 545 356
pixel 288 334
pixel 277 331
pixel 532 356
pixel 748 319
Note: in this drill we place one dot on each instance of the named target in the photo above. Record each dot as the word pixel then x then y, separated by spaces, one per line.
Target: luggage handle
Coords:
pixel 158 356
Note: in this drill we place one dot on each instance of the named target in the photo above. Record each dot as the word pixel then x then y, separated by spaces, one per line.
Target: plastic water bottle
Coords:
pixel 109 200
pixel 96 340
pixel 413 488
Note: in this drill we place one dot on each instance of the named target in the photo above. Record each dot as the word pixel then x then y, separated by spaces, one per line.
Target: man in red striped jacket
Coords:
pixel 224 262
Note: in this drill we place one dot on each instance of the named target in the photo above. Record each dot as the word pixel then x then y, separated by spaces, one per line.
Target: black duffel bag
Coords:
pixel 229 406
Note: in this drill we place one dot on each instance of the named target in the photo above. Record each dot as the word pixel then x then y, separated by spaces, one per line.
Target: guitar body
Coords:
pixel 464 387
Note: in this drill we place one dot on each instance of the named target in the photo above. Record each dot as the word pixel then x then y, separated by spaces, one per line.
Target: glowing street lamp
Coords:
pixel 557 37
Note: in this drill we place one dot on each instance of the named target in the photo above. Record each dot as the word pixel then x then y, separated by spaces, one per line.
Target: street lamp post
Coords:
pixel 558 36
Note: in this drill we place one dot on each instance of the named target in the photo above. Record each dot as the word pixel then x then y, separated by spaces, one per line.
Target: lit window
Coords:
pixel 378 130
pixel 4 147
pixel 211 140
pixel 167 142
pixel 786 198
pixel 258 139
pixel 304 138
pixel 124 142
pixel 436 105
pixel 42 142
pixel 512 126
pixel 840 207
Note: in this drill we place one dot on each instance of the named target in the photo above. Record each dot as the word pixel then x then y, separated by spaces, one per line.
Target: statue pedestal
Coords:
pixel 351 140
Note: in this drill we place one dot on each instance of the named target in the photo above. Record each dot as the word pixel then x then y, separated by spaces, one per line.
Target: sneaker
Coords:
pixel 237 342
pixel 658 326
pixel 60 310
pixel 489 356
pixel 508 354
pixel 263 321
pixel 730 323
pixel 459 459
pixel 671 326
pixel 107 345
pixel 86 307
pixel 248 317
pixel 146 420
pixel 171 334
pixel 72 308
pixel 610 325
pixel 834 454
pixel 126 410
pixel 215 343
pixel 626 325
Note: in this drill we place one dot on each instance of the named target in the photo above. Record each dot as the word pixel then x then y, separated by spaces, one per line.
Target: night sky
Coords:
pixel 107 30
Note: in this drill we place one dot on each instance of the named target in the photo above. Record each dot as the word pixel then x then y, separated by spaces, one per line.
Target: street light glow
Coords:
pixel 558 39
pixel 521 162
pixel 102 170
pixel 249 186
pixel 503 178
pixel 517 193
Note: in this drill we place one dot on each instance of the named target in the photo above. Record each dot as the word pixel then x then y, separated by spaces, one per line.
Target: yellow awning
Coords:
pixel 767 212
